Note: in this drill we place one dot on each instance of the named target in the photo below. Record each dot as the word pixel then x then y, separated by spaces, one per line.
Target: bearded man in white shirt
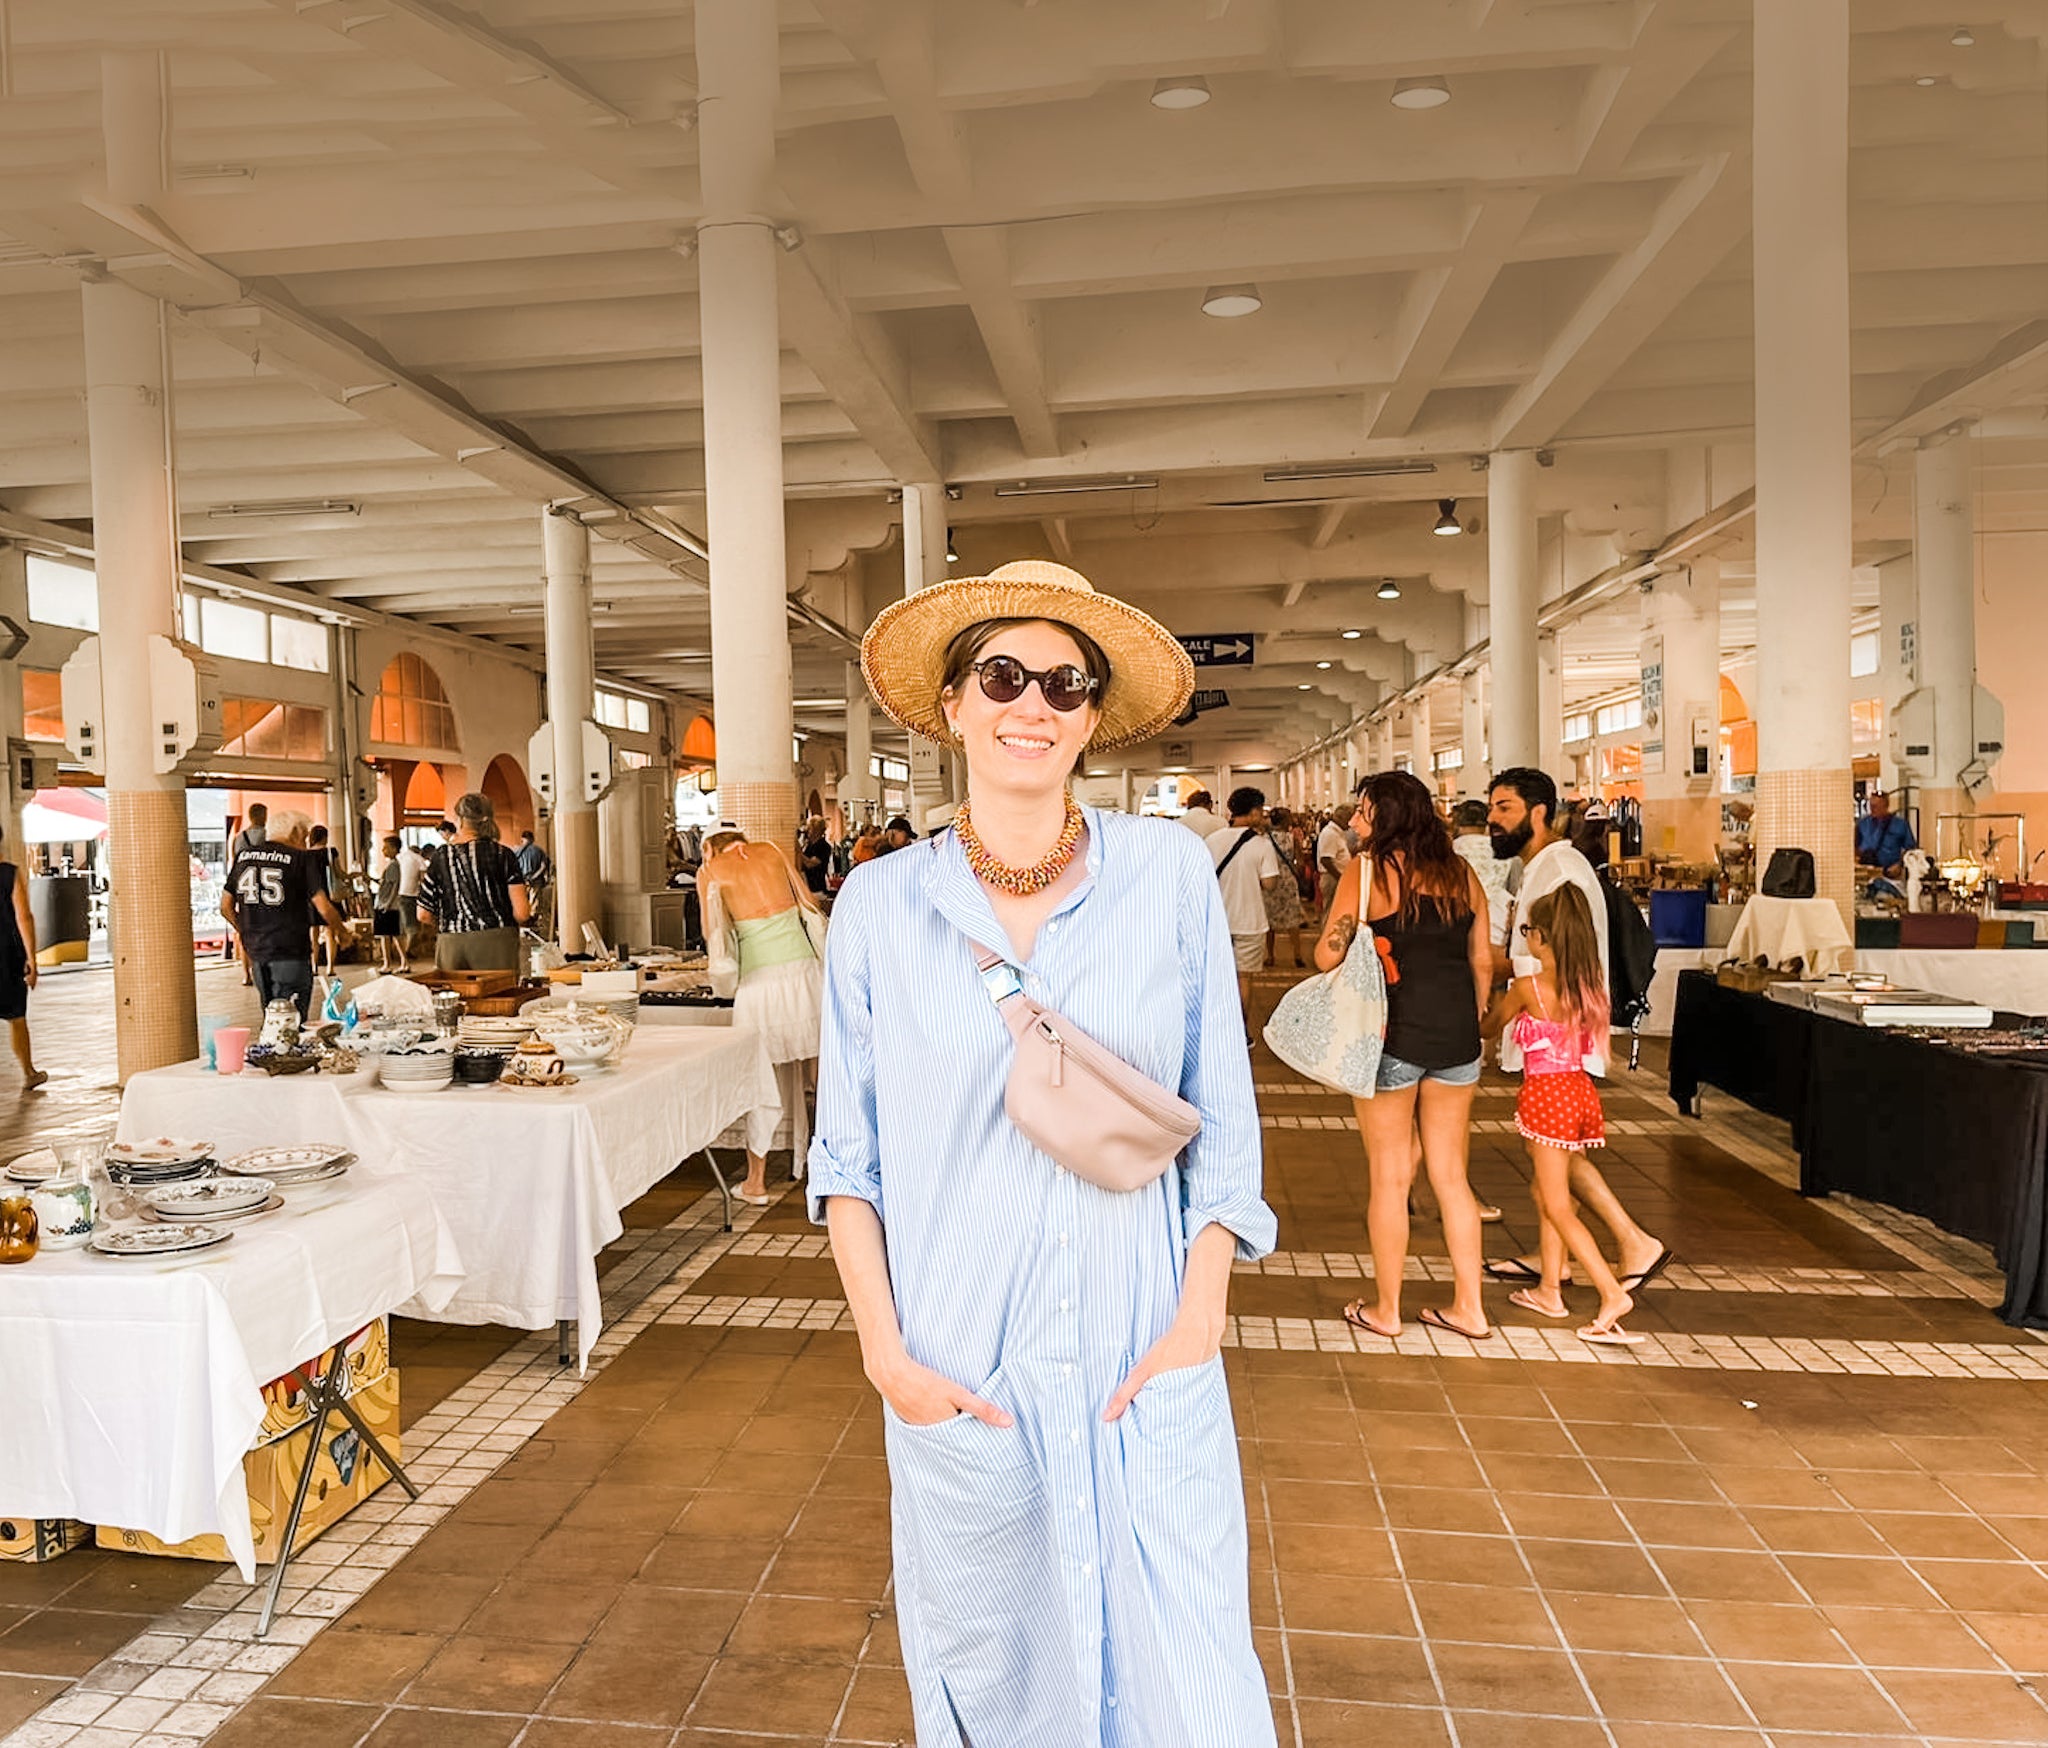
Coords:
pixel 1522 813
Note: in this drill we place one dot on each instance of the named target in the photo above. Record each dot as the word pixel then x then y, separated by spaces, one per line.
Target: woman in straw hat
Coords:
pixel 1069 1519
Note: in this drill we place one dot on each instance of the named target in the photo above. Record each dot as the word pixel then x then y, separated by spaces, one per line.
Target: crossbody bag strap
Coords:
pixel 1249 834
pixel 998 976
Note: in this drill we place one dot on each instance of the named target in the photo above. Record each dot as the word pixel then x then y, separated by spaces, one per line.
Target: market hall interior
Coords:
pixel 403 398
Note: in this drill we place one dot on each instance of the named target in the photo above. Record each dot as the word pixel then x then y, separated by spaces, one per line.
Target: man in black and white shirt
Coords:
pixel 273 892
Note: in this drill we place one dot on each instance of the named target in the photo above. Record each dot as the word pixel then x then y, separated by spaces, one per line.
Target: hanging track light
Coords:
pixel 1447 517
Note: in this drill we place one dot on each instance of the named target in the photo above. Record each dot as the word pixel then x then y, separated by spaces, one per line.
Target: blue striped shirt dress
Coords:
pixel 1059 1583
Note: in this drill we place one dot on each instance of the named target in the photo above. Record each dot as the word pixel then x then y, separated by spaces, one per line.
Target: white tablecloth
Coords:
pixel 134 1389
pixel 1782 929
pixel 531 1183
pixel 2016 980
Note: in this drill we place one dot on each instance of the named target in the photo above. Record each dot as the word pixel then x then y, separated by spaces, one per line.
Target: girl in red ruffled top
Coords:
pixel 1558 1017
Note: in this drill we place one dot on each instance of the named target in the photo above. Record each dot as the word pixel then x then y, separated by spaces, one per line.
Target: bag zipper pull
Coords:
pixel 1059 1055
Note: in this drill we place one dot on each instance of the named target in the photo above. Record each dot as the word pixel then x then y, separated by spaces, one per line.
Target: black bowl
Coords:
pixel 478 1067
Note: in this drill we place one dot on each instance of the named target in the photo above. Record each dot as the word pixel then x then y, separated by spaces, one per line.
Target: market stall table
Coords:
pixel 1958 1138
pixel 531 1182
pixel 1783 929
pixel 134 1387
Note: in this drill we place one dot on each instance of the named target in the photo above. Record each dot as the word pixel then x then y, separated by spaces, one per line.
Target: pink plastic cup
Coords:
pixel 230 1049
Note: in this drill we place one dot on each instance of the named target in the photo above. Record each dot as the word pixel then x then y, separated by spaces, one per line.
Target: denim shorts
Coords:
pixel 1398 1076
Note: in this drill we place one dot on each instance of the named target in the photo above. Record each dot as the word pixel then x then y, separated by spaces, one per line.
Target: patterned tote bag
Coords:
pixel 1330 1027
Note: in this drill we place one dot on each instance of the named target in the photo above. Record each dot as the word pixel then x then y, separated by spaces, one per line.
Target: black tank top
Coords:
pixel 1433 1011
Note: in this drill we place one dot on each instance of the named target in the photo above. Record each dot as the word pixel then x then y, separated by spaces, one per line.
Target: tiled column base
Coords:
pixel 1810 810
pixel 156 1005
pixel 766 812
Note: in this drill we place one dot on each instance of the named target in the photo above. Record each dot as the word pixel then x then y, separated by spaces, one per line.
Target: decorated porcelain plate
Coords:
pixel 159 1240
pixel 508 1078
pixel 35 1167
pixel 210 1196
pixel 163 1151
pixel 274 1161
pixel 221 1216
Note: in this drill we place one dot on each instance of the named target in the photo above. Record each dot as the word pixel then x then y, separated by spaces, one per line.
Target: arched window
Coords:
pixel 411 709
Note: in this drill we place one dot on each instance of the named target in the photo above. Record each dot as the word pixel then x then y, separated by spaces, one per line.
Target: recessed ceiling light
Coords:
pixel 1304 687
pixel 1186 93
pixel 1963 38
pixel 1231 300
pixel 1447 517
pixel 1354 634
pixel 1925 80
pixel 1426 93
pixel 1324 664
pixel 1389 590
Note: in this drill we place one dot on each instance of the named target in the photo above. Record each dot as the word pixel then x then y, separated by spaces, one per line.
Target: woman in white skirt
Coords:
pixel 759 924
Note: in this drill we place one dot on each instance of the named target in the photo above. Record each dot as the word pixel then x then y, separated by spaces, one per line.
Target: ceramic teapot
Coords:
pixel 63 1209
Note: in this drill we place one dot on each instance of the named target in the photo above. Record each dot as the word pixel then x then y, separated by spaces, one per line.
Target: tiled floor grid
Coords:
pixel 1810 1511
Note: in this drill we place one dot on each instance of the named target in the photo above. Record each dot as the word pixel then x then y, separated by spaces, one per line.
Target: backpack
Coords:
pixel 1790 874
pixel 1631 955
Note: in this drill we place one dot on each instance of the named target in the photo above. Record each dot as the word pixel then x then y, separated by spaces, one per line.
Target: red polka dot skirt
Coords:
pixel 1561 1110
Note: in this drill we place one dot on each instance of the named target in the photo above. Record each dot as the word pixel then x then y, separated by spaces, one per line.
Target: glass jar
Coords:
pixel 17 1229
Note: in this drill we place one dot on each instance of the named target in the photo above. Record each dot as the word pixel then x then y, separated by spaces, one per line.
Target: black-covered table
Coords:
pixel 1961 1140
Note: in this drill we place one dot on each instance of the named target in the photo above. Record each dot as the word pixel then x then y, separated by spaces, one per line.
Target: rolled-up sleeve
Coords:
pixel 1223 1169
pixel 845 1157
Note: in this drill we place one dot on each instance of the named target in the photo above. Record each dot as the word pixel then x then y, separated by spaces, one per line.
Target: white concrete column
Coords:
pixel 924 563
pixel 135 538
pixel 1512 591
pixel 1421 749
pixel 1472 732
pixel 1803 545
pixel 14 604
pixel 860 782
pixel 1682 636
pixel 1383 750
pixel 572 697
pixel 1898 649
pixel 738 75
pixel 1945 572
pixel 1549 707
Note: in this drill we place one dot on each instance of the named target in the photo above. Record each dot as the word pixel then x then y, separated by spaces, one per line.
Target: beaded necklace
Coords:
pixel 1020 882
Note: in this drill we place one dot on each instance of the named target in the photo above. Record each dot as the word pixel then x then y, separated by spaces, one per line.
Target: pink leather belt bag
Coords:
pixel 1085 1106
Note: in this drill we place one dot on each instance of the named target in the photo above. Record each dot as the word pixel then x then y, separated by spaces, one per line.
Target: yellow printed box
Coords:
pixel 41 1538
pixel 344 1475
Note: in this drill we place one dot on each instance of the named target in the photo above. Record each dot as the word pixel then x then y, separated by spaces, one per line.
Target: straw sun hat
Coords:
pixel 903 656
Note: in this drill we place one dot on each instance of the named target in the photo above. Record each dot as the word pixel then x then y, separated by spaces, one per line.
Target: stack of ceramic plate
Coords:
pixel 624 1007
pixel 493 1031
pixel 158 1241
pixel 425 1069
pixel 214 1198
pixel 31 1169
pixel 143 1164
pixel 288 1167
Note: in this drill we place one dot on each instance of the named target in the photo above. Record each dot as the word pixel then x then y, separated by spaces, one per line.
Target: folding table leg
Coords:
pixel 327 1397
pixel 724 1188
pixel 563 1354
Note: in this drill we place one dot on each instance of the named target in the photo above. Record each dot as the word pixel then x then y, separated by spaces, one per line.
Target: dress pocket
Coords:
pixel 984 1590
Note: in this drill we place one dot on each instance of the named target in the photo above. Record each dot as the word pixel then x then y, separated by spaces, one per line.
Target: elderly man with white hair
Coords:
pixel 272 893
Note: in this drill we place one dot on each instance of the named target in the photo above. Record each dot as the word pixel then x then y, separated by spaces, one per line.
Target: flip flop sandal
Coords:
pixel 1430 1315
pixel 1612 1335
pixel 1356 1317
pixel 1525 1299
pixel 1513 1268
pixel 1643 1277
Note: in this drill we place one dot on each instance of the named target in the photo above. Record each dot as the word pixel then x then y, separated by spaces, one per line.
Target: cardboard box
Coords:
pixel 343 1477
pixel 41 1538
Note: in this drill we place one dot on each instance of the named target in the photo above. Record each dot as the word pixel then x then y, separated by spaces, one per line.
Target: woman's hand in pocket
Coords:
pixel 923 1397
pixel 1188 1343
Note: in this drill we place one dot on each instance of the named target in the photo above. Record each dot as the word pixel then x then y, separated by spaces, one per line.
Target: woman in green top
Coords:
pixel 758 923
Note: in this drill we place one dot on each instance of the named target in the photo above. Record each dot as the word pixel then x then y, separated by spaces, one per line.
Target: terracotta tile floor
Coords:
pixel 1554 1547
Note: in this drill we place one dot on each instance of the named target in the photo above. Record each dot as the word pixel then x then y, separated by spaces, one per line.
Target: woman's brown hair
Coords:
pixel 1406 832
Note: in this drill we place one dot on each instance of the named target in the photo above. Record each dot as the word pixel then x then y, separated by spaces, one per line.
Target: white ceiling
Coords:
pixel 1003 251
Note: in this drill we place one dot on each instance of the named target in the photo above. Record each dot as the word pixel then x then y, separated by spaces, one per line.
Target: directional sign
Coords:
pixel 1228 649
pixel 1200 702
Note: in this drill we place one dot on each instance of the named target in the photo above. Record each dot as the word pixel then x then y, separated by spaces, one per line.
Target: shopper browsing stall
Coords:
pixel 273 892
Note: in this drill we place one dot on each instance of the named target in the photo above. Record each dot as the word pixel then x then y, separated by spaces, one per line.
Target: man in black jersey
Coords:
pixel 272 893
